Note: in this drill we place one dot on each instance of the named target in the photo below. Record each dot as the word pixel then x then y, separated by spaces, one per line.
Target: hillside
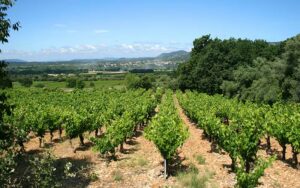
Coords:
pixel 180 55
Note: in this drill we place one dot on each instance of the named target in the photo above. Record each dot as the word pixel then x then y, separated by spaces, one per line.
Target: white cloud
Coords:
pixel 100 31
pixel 138 49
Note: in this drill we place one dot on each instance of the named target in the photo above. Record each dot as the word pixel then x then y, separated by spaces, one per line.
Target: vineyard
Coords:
pixel 109 121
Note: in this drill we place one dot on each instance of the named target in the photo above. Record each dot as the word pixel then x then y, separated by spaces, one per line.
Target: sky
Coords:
pixel 83 29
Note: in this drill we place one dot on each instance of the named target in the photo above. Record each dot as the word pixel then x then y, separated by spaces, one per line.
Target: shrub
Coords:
pixel 200 159
pixel 26 82
pixel 41 172
pixel 117 175
pixel 92 84
pixel 40 85
pixel 71 83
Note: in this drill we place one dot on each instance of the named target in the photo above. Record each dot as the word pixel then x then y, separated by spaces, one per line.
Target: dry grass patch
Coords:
pixel 191 178
pixel 117 175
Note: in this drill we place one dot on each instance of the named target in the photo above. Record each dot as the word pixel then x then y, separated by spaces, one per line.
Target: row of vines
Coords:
pixel 117 112
pixel 238 128
pixel 166 130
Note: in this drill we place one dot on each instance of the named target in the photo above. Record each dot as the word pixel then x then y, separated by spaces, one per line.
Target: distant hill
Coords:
pixel 15 61
pixel 176 56
pixel 180 55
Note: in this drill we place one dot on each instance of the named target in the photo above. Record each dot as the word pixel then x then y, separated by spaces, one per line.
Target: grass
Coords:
pixel 93 176
pixel 117 175
pixel 191 178
pixel 141 161
pixel 200 159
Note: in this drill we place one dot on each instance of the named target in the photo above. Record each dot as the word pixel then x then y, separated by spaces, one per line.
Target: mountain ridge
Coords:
pixel 179 55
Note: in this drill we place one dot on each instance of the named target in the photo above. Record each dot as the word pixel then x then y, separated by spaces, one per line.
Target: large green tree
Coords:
pixel 266 80
pixel 6 131
pixel 5 28
pixel 214 60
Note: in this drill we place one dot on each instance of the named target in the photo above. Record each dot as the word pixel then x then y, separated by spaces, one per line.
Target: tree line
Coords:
pixel 254 70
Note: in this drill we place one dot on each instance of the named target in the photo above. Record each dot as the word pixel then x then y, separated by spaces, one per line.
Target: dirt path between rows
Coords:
pixel 280 175
pixel 215 163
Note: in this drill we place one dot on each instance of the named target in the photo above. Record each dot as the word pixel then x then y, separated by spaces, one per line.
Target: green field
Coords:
pixel 118 84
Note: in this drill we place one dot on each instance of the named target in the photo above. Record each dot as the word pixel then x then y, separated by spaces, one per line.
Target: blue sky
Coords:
pixel 72 29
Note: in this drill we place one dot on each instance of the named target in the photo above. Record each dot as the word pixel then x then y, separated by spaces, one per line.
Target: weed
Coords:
pixel 200 159
pixel 141 161
pixel 117 175
pixel 93 176
pixel 192 180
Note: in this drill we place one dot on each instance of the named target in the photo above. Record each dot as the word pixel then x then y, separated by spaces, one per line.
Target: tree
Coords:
pixel 75 83
pixel 134 82
pixel 71 83
pixel 131 81
pixel 5 108
pixel 6 26
pixel 92 84
pixel 80 84
pixel 268 80
pixel 26 82
pixel 290 84
pixel 6 131
pixel 213 61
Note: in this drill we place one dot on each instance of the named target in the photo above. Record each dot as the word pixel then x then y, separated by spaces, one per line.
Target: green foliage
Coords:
pixel 237 128
pixel 26 82
pixel 268 80
pixel 75 83
pixel 41 173
pixel 92 84
pixel 166 130
pixel 117 175
pixel 39 85
pixel 6 131
pixel 213 61
pixel 250 180
pixel 7 167
pixel 80 84
pixel 192 179
pixel 135 82
pixel 200 159
pixel 125 119
pixel 71 83
pixel 5 81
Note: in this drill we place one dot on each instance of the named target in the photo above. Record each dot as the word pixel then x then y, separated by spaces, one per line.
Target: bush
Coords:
pixel 117 175
pixel 40 85
pixel 7 167
pixel 250 180
pixel 71 83
pixel 26 82
pixel 92 84
pixel 41 172
pixel 134 82
pixel 200 159
pixel 75 83
pixel 80 84
pixel 193 180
